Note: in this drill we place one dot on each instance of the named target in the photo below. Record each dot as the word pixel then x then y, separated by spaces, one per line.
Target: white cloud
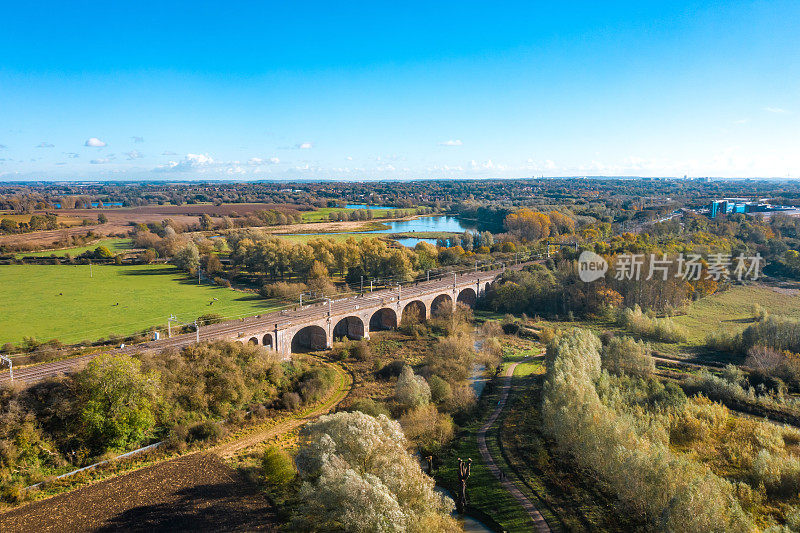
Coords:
pixel 257 161
pixel 45 145
pixel 134 154
pixel 349 157
pixel 775 110
pixel 189 163
pixel 549 164
pixel 741 121
pixel 102 161
pixel 72 155
pixel 235 169
pixel 94 142
pixel 168 153
pixel 452 142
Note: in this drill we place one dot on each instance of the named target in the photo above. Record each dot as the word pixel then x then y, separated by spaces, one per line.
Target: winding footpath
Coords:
pixel 538 520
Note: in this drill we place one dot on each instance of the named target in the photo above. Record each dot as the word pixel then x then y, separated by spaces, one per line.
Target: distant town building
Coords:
pixel 728 206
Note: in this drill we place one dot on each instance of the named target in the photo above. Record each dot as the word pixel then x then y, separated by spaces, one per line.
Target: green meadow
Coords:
pixel 64 302
pixel 322 214
pixel 732 310
pixel 115 245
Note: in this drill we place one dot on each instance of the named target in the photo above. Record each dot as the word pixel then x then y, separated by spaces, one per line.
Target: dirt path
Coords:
pixel 194 492
pixel 509 484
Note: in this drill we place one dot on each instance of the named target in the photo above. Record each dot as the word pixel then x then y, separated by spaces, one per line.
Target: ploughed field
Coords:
pixel 64 302
pixel 198 492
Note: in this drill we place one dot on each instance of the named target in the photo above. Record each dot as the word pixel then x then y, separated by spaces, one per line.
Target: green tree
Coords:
pixel 188 258
pixel 115 401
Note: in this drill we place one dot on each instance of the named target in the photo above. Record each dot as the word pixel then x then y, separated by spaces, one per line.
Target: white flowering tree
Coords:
pixel 358 476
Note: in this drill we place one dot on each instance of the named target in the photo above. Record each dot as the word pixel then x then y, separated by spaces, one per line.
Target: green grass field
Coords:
pixel 322 214
pixel 115 245
pixel 732 310
pixel 63 302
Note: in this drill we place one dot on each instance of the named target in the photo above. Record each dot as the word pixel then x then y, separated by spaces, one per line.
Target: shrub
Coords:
pixel 391 370
pixel 411 390
pixel 370 407
pixel 451 358
pixel 210 318
pixel 661 329
pixel 491 354
pixel 290 401
pixel 206 430
pixel 624 354
pixel 427 428
pixel 283 290
pixel 781 334
pixel 277 467
pixel 441 391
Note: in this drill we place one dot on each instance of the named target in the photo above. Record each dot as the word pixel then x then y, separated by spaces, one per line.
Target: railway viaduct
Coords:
pixel 355 317
pixel 311 327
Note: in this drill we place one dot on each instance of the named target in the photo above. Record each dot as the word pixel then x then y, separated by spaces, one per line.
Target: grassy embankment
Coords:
pixel 64 302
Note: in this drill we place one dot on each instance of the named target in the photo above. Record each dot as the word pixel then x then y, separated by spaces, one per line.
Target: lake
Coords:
pixel 419 224
pixel 434 223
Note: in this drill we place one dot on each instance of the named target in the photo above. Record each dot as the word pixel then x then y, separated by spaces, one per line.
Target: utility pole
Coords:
pixel 370 285
pixel 362 285
pixel 429 275
pixel 454 280
pixel 197 330
pixel 169 325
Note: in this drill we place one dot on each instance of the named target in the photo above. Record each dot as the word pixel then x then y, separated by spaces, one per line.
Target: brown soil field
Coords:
pixel 193 210
pixel 198 492
pixel 39 239
pixel 119 219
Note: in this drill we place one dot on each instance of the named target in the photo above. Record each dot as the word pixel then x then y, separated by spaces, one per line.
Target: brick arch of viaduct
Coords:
pixel 279 338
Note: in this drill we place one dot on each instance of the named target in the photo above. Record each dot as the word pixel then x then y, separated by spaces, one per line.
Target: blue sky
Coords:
pixel 261 90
